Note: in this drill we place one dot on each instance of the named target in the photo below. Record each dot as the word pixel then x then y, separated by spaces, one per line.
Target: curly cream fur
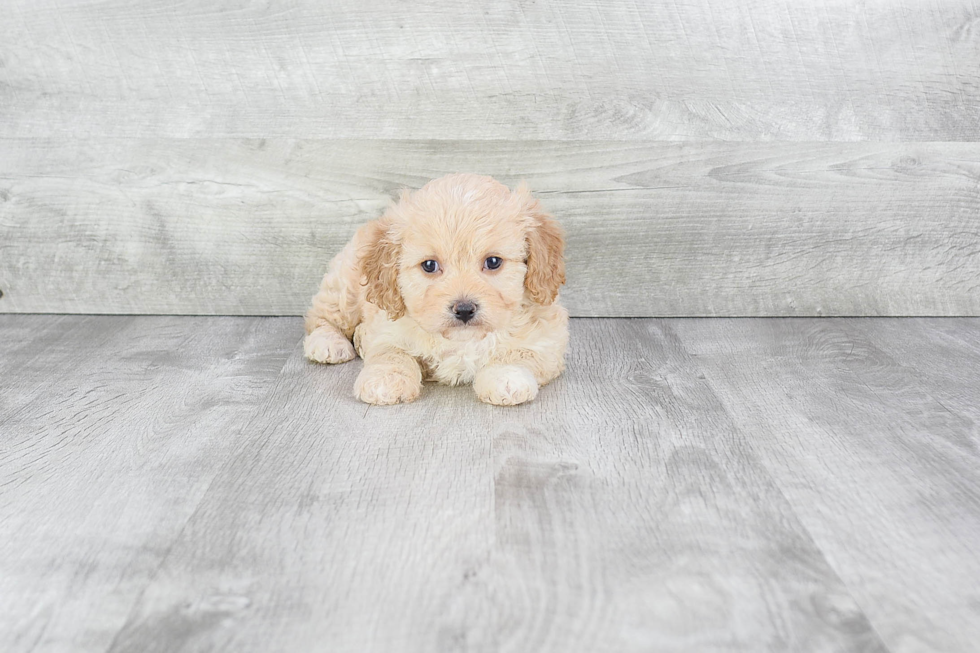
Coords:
pixel 400 317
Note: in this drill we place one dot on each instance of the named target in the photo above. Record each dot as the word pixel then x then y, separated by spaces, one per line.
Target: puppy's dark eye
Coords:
pixel 493 262
pixel 430 266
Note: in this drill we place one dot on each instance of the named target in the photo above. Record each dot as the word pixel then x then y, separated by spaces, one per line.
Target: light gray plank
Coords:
pixel 881 471
pixel 35 349
pixel 632 516
pixel 110 431
pixel 26 338
pixel 943 355
pixel 603 517
pixel 712 229
pixel 339 527
pixel 883 70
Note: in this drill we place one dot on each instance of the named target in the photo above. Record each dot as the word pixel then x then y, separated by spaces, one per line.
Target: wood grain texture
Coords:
pixel 584 522
pixel 233 226
pixel 688 485
pixel 917 345
pixel 882 70
pixel 631 515
pixel 338 528
pixel 110 431
pixel 878 458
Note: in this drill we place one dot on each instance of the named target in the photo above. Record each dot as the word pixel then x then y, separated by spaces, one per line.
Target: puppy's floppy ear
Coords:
pixel 545 252
pixel 379 265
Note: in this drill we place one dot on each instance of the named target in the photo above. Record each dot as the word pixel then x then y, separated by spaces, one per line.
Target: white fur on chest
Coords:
pixel 451 362
pixel 446 361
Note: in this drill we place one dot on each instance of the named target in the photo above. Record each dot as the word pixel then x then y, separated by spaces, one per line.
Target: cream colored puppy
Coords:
pixel 456 283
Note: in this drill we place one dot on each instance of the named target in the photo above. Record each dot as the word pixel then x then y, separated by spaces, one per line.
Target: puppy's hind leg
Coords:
pixel 335 312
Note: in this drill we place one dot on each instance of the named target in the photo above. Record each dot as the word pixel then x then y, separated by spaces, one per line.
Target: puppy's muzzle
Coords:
pixel 464 310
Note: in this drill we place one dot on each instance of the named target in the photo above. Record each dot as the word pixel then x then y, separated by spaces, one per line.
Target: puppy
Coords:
pixel 456 283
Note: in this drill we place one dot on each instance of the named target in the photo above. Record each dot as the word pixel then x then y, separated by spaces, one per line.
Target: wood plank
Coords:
pixel 35 348
pixel 944 355
pixel 231 226
pixel 881 472
pixel 111 428
pixel 887 70
pixel 339 527
pixel 605 516
pixel 632 516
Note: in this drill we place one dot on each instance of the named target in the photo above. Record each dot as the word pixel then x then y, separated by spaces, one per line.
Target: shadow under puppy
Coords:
pixel 457 283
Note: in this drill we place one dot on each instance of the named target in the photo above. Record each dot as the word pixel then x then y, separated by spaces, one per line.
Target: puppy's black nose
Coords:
pixel 464 310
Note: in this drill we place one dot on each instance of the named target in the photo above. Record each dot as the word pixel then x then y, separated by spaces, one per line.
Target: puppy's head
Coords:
pixel 462 254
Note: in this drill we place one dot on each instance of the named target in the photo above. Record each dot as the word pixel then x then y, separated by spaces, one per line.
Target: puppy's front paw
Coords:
pixel 326 345
pixel 505 385
pixel 383 384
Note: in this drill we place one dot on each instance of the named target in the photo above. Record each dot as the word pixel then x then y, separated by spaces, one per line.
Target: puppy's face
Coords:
pixel 464 276
pixel 462 254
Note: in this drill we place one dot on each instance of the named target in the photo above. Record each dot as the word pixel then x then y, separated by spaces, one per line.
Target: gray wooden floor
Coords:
pixel 192 484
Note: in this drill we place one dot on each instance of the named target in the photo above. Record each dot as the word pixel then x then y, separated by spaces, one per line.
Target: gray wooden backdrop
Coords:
pixel 708 157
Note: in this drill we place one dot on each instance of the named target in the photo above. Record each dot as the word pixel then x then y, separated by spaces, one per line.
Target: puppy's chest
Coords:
pixel 454 363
